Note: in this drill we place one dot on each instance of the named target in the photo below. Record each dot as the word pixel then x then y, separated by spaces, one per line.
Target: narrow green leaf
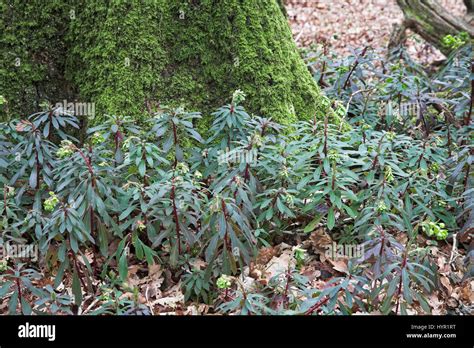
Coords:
pixel 331 218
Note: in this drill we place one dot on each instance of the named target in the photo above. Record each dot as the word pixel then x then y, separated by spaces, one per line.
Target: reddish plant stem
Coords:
pixel 176 217
pixel 404 262
pixel 467 119
pixel 93 188
pixel 333 181
pixel 226 237
pixel 316 306
pixel 247 172
pixel 321 82
pixel 117 140
pixel 362 54
pixel 446 120
pixel 145 217
pixel 175 140
pixel 285 294
pixel 142 193
pixel 376 158
pixel 325 149
pixel 418 163
pixel 18 285
pixel 88 162
pixel 38 166
pixel 226 294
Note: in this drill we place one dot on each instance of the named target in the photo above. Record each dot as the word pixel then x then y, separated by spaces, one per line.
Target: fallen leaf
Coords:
pixel 265 255
pixel 339 265
pixel 447 284
pixel 279 265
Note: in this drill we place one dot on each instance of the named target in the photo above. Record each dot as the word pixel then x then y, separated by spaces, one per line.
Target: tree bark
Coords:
pixel 432 22
pixel 126 56
pixel 470 11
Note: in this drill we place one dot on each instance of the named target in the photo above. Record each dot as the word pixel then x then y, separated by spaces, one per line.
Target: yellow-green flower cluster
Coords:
pixel 106 294
pixel 51 202
pixel 65 150
pixel 434 167
pixel 391 136
pixel 436 229
pixel 238 97
pixel 381 207
pixel 140 225
pixel 456 41
pixel 182 168
pixel 365 126
pixel 3 265
pixel 97 138
pixel 224 282
pixel 215 204
pixel 283 173
pixel 388 173
pixel 290 200
pixel 333 156
pixel 256 139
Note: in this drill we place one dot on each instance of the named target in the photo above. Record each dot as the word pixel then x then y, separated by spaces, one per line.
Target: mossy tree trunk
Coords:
pixel 129 56
pixel 431 21
pixel 470 11
pixel 32 52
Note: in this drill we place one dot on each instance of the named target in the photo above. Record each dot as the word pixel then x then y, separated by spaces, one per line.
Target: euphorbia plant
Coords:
pixel 34 153
pixel 116 128
pixel 231 239
pixel 180 196
pixel 83 175
pixel 172 127
pixel 230 122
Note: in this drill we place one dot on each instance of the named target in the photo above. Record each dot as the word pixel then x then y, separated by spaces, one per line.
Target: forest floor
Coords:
pixel 163 299
pixel 346 24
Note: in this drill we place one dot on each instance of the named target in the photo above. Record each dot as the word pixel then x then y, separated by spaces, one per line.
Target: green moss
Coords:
pixel 126 55
pixel 31 54
pixel 117 55
pixel 229 45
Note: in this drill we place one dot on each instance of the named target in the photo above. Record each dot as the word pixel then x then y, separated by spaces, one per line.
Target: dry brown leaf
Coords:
pixel 320 241
pixel 196 309
pixel 280 264
pixel 340 265
pixel 437 306
pixel 310 272
pixel 447 285
pixel 467 292
pixel 154 271
pixel 198 263
pixel 174 298
pixel 452 302
pixel 89 255
pixel 265 255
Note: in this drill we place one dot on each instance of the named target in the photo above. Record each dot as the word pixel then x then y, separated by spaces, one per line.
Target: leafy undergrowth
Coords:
pixel 371 215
